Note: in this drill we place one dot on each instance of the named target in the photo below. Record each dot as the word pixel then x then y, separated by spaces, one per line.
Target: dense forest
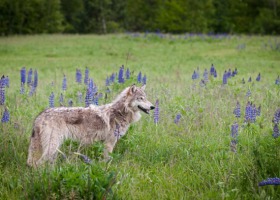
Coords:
pixel 109 16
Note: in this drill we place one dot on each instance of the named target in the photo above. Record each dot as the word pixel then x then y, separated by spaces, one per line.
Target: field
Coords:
pixel 195 158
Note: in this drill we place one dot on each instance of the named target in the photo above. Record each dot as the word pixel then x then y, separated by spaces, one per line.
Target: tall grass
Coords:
pixel 188 160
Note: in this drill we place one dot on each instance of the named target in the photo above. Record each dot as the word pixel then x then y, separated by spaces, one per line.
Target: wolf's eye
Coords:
pixel 141 98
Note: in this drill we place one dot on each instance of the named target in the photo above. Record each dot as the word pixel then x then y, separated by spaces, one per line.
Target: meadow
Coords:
pixel 192 152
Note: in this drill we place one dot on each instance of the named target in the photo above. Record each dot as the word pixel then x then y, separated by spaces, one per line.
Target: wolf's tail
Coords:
pixel 35 148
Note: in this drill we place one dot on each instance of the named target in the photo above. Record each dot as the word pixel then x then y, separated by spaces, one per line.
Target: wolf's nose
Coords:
pixel 152 107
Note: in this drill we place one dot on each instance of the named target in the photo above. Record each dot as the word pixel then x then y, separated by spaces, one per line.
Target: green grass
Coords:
pixel 191 160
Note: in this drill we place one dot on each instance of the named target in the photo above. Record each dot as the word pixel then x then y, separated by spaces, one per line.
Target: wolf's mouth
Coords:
pixel 147 111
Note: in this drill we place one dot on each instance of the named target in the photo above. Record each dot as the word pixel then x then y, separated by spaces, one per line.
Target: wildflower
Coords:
pixel 22 88
pixel 139 77
pixel 112 78
pixel 253 113
pixel 233 144
pixel 35 84
pixel 29 76
pixel 95 99
pixel 22 75
pixel 120 78
pixel 194 76
pixel 229 73
pixel 144 80
pixel 276 132
pixel 243 81
pixel 205 75
pixel 7 81
pixel 215 74
pixel 51 100
pixel 107 82
pixel 234 130
pixel 88 98
pixel 248 112
pixel 127 74
pixel 78 76
pixel 270 181
pixel 64 83
pixel 276 118
pixel 250 79
pixel 156 112
pixel 6 116
pixel 70 102
pixel 32 89
pixel 177 118
pixel 258 77
pixel 2 91
pixel 248 93
pixel 86 76
pixel 237 110
pixel 61 99
pixel 225 78
pixel 212 70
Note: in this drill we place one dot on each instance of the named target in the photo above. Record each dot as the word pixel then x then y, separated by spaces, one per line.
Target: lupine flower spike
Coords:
pixel 64 83
pixel 212 70
pixel 70 102
pixel 258 77
pixel 248 93
pixel 276 118
pixel 237 110
pixel 127 74
pixel 234 134
pixel 277 81
pixel 61 99
pixel 156 112
pixel 86 76
pixel 177 118
pixel 22 75
pixel 225 78
pixel 51 100
pixel 144 80
pixel 139 77
pixel 120 77
pixel 2 91
pixel 35 84
pixel 78 76
pixel 205 76
pixel 250 79
pixel 6 116
pixel 276 132
pixel 270 181
pixel 29 76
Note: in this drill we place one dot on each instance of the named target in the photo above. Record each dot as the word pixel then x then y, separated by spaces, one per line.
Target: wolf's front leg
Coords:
pixel 108 149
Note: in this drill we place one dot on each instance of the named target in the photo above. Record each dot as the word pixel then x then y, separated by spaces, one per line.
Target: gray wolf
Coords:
pixel 87 125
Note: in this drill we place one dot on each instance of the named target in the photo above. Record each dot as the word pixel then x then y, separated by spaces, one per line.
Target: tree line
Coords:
pixel 109 16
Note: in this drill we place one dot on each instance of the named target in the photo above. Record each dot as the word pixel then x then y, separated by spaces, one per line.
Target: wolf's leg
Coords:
pixel 35 148
pixel 109 146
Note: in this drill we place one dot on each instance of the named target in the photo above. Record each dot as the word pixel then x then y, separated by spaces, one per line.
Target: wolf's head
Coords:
pixel 137 99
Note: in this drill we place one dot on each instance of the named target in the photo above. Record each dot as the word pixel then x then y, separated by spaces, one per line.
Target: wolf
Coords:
pixel 86 125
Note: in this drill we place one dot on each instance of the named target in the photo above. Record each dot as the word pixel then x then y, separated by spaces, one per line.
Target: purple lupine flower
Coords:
pixel 237 110
pixel 2 91
pixel 86 76
pixel 225 78
pixel 22 90
pixel 112 78
pixel 234 130
pixel 205 75
pixel 194 76
pixel 243 81
pixel 107 82
pixel 156 112
pixel 235 71
pixel 89 97
pixel 258 77
pixel 64 83
pixel 212 70
pixel 144 80
pixel 80 97
pixel 215 74
pixel 139 77
pixel 78 76
pixel 127 74
pixel 276 118
pixel 253 113
pixel 276 132
pixel 177 118
pixel 95 99
pixel 270 181
pixel 90 84
pixel 35 84
pixel 22 75
pixel 120 77
pixel 51 100
pixel 6 116
pixel 29 76
pixel 259 111
pixel 250 79
pixel 248 112
pixel 61 99
pixel 70 102
pixel 32 89
pixel 277 81
pixel 229 73
pixel 248 93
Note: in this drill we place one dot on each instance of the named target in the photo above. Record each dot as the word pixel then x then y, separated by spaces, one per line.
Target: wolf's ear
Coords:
pixel 132 89
pixel 143 87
